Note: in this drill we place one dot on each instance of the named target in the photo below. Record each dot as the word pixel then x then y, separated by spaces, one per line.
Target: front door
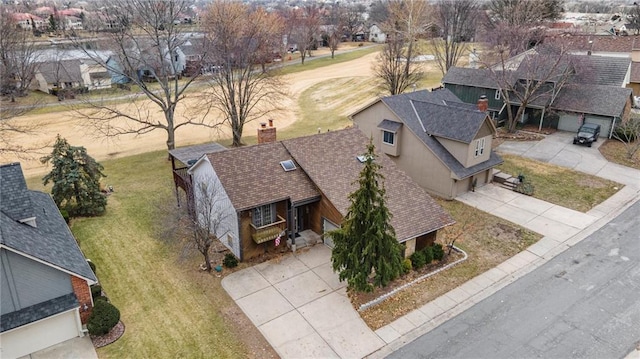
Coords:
pixel 303 218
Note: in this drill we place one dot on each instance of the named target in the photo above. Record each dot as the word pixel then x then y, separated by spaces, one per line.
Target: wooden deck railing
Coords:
pixel 269 232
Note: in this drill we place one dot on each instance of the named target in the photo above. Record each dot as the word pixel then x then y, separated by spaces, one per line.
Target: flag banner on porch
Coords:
pixel 278 240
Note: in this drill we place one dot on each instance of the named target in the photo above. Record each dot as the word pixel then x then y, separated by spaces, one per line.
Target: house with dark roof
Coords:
pixel 442 143
pixel 71 74
pixel 586 88
pixel 44 277
pixel 294 191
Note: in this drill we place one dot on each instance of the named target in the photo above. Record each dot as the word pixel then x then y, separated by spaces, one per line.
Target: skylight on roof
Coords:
pixel 288 165
pixel 362 158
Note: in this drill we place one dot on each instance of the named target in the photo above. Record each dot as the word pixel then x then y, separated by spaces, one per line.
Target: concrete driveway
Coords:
pixel 559 149
pixel 76 348
pixel 301 308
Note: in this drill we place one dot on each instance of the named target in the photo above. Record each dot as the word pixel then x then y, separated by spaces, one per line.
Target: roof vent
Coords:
pixel 362 158
pixel 288 165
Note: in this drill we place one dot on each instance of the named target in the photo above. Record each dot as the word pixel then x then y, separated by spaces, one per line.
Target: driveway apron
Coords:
pixel 301 308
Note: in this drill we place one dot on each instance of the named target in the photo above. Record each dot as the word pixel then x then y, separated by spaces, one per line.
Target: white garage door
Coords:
pixel 605 125
pixel 326 227
pixel 570 122
pixel 39 335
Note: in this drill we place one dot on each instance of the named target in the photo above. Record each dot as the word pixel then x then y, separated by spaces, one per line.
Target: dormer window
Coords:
pixel 388 137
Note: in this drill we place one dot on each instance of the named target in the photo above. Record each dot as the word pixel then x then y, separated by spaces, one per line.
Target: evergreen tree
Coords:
pixel 76 180
pixel 366 242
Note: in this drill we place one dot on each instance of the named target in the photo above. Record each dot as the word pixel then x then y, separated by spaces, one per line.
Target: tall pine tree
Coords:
pixel 366 243
pixel 76 180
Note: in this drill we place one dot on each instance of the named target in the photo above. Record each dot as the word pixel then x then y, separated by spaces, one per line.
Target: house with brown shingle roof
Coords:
pixel 292 192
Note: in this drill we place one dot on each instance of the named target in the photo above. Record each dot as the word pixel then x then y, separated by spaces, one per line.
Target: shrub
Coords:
pixel 428 254
pixel 92 265
pixel 625 133
pixel 103 317
pixel 438 252
pixel 406 265
pixel 96 291
pixel 100 298
pixel 418 260
pixel 230 260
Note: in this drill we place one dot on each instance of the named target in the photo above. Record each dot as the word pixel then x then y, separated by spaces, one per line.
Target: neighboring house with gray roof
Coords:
pixel 443 144
pixel 71 75
pixel 298 189
pixel 587 88
pixel 44 277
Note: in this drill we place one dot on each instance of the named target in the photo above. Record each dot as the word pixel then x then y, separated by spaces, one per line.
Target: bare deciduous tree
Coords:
pixel 209 221
pixel 18 66
pixel 628 132
pixel 352 19
pixel 407 22
pixel 537 79
pixel 515 24
pixel 334 27
pixel 456 21
pixel 145 44
pixel 306 30
pixel 18 58
pixel 239 91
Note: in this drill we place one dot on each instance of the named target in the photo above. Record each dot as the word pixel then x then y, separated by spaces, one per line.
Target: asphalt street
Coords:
pixel 584 303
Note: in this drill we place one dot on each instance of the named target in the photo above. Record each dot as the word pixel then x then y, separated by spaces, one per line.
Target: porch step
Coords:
pixel 505 180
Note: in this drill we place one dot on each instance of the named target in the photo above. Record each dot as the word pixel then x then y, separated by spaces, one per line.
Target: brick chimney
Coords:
pixel 483 103
pixel 266 134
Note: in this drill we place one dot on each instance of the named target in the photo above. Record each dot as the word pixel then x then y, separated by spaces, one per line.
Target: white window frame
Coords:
pixel 497 95
pixel 393 137
pixel 263 215
pixel 479 147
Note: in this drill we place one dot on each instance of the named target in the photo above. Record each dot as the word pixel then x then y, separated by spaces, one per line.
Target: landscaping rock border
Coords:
pixel 114 334
pixel 386 296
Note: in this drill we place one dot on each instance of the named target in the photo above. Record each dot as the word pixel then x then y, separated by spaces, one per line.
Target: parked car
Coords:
pixel 587 134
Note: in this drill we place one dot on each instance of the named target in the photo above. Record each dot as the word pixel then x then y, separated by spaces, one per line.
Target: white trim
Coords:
pixel 49 317
pixel 498 95
pixel 479 151
pixel 89 281
pixel 393 134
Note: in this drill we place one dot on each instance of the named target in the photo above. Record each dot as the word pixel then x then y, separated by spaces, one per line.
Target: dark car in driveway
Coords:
pixel 587 134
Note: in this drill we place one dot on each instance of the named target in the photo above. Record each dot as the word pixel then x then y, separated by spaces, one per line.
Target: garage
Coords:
pixel 328 226
pixel 40 335
pixel 571 122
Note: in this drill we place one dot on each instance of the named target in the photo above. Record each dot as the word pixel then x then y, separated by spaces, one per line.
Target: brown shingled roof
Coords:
pixel 330 161
pixel 601 43
pixel 252 176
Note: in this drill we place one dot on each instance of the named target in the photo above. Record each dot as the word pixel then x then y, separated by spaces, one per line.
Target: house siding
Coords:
pixel 29 282
pixel 470 94
pixel 228 232
pixel 249 247
pixel 324 209
pixel 416 159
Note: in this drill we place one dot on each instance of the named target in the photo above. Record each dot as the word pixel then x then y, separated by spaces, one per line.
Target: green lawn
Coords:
pixel 560 185
pixel 170 308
